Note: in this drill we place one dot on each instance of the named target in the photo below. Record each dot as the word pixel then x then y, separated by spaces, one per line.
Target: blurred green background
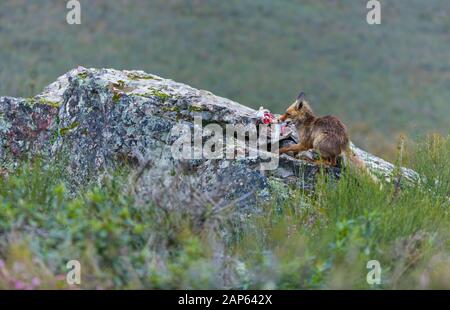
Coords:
pixel 381 80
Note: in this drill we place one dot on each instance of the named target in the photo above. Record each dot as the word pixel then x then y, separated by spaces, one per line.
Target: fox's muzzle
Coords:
pixel 283 117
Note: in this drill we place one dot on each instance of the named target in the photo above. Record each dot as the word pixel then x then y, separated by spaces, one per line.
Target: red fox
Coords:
pixel 327 135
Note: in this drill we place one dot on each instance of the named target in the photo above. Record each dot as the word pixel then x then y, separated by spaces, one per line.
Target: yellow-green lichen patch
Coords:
pixel 65 130
pixel 171 109
pixel 155 93
pixel 53 104
pixel 116 97
pixel 195 108
pixel 30 101
pixel 83 75
pixel 161 95
pixel 43 101
pixel 141 76
pixel 119 84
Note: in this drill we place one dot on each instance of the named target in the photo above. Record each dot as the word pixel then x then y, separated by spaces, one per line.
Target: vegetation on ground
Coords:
pixel 299 240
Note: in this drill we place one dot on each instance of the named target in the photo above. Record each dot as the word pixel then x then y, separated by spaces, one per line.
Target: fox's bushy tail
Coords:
pixel 355 162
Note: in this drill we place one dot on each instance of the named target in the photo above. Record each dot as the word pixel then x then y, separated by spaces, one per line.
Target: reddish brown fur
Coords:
pixel 327 135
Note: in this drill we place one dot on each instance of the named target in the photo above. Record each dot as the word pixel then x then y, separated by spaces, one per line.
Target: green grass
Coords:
pixel 301 240
pixel 381 80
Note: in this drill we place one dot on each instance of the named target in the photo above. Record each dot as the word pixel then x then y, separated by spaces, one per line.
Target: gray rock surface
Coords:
pixel 105 118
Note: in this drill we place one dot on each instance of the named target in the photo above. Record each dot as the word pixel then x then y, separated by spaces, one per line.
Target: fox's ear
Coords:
pixel 299 101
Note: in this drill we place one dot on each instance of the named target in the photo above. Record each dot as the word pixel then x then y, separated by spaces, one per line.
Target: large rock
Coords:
pixel 101 118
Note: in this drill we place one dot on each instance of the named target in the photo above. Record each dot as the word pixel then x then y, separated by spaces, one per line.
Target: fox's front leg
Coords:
pixel 295 148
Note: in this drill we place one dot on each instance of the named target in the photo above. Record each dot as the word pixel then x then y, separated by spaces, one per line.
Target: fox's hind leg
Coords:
pixel 328 148
pixel 333 161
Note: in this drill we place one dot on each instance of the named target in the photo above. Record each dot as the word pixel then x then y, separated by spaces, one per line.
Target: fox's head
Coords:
pixel 298 111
